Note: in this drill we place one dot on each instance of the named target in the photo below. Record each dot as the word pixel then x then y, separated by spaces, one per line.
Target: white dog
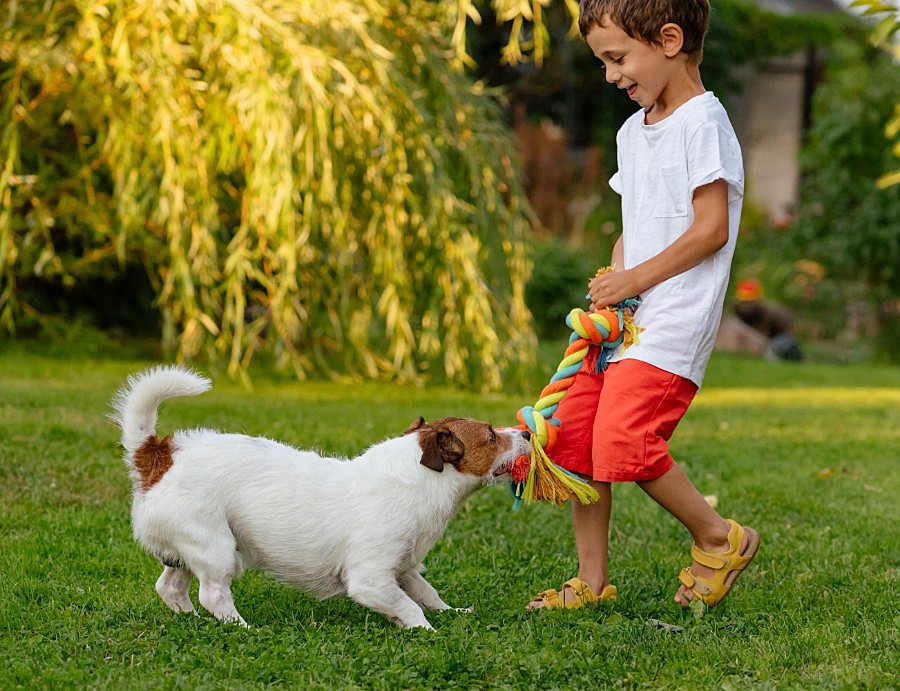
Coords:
pixel 210 505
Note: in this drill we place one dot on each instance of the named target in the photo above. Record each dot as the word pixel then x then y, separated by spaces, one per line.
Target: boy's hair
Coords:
pixel 643 20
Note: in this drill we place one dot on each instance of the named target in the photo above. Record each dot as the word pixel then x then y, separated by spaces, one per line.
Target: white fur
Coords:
pixel 328 526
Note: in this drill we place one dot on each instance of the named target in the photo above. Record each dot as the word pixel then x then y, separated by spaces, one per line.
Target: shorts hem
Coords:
pixel 645 475
pixel 582 469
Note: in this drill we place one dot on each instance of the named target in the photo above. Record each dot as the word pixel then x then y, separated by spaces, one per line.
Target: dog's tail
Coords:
pixel 135 405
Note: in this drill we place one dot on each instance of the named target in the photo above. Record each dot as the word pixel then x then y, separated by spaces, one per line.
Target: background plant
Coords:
pixel 884 35
pixel 311 179
pixel 847 221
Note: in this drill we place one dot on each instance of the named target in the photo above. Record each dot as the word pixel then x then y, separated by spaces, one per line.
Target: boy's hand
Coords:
pixel 611 289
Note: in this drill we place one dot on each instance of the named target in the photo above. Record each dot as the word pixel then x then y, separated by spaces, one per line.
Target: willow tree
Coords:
pixel 311 178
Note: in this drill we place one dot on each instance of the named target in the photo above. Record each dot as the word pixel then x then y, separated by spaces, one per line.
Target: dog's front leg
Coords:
pixel 385 596
pixel 215 596
pixel 423 592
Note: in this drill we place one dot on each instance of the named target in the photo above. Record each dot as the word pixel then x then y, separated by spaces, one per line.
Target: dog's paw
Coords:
pixel 421 624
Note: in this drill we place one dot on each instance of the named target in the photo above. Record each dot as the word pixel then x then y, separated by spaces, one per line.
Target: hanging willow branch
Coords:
pixel 306 178
pixel 527 37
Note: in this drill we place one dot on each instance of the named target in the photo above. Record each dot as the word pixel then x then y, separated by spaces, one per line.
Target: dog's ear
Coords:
pixel 440 446
pixel 414 426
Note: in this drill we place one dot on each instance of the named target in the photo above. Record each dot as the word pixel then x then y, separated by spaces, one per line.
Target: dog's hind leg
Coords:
pixel 172 586
pixel 383 595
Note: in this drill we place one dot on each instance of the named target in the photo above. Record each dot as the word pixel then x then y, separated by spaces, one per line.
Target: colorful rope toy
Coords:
pixel 538 478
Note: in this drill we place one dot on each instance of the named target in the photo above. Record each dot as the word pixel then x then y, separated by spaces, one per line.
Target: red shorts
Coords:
pixel 616 424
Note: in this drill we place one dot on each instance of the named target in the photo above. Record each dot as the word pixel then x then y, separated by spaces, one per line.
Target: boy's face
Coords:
pixel 643 70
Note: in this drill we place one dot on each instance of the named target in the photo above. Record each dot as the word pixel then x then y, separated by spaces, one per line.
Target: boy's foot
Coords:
pixel 712 574
pixel 575 593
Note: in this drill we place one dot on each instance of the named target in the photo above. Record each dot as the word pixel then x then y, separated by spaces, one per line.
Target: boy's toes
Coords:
pixel 684 596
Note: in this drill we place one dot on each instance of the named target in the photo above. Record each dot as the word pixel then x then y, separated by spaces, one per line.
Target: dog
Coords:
pixel 211 505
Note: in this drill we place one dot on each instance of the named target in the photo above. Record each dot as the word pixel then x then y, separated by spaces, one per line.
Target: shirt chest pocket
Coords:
pixel 667 192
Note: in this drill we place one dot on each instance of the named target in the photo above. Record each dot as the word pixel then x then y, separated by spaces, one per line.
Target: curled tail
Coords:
pixel 135 405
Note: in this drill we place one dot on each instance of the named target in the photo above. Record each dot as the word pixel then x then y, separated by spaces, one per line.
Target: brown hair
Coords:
pixel 643 19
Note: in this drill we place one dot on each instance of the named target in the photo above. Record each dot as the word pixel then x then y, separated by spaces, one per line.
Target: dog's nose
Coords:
pixel 526 433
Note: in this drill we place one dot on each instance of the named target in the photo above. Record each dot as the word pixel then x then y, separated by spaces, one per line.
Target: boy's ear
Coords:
pixel 671 37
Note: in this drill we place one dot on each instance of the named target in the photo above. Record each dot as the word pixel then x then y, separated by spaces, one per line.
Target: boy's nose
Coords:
pixel 612 76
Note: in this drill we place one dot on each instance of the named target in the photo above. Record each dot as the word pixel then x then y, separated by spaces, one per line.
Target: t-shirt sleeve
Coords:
pixel 616 182
pixel 714 154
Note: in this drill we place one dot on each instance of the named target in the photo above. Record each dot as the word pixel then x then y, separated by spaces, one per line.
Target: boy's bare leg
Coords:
pixel 677 495
pixel 591 525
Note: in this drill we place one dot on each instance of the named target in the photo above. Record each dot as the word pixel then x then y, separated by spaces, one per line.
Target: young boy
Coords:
pixel 681 179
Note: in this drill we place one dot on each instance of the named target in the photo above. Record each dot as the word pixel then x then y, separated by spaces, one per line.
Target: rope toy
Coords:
pixel 538 478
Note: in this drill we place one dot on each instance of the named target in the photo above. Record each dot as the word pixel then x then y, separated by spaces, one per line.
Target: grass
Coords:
pixel 806 454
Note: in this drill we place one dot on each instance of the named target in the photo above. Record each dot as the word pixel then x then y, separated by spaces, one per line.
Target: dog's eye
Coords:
pixel 493 436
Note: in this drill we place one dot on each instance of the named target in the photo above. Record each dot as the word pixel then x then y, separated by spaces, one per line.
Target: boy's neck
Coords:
pixel 683 85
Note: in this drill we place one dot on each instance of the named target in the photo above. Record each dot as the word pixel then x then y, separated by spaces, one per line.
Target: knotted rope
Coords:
pixel 542 479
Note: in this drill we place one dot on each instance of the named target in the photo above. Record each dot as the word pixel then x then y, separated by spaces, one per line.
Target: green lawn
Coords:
pixel 806 454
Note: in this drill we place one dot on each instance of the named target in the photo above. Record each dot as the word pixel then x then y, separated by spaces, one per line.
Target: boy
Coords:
pixel 680 176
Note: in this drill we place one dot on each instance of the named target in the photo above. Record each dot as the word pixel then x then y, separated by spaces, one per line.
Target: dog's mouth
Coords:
pixel 516 468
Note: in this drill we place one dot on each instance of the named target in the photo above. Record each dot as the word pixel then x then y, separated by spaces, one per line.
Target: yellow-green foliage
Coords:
pixel 527 37
pixel 884 34
pixel 310 178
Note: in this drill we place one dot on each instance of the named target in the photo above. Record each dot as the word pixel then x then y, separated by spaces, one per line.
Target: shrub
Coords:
pixel 308 179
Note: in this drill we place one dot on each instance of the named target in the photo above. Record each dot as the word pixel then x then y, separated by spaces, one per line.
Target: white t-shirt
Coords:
pixel 660 167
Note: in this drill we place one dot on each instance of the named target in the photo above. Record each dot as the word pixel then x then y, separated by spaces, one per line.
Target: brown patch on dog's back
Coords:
pixel 152 459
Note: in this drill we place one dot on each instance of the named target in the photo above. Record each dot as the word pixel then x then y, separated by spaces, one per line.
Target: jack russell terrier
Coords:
pixel 210 505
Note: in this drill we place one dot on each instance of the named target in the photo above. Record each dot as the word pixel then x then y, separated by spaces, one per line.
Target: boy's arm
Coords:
pixel 705 236
pixel 617 261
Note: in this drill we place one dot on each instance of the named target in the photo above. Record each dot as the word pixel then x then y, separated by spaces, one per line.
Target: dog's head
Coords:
pixel 470 446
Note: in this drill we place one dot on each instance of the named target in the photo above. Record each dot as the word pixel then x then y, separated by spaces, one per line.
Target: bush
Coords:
pixel 847 223
pixel 312 180
pixel 558 284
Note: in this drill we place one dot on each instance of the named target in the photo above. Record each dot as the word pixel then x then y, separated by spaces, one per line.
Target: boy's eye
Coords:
pixel 612 61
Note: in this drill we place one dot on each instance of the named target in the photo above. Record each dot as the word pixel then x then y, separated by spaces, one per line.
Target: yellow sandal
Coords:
pixel 583 596
pixel 728 565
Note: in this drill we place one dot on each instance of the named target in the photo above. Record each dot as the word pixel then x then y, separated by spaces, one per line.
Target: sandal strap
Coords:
pixel 711 559
pixel 700 586
pixel 550 598
pixel 580 589
pixel 585 595
pixel 719 560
